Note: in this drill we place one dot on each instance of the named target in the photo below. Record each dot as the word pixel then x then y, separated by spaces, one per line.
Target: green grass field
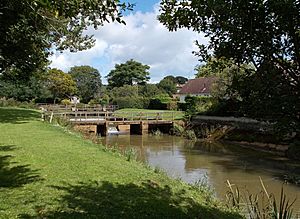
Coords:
pixel 164 114
pixel 47 171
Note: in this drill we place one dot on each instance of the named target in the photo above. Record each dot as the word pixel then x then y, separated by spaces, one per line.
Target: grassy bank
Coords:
pixel 49 172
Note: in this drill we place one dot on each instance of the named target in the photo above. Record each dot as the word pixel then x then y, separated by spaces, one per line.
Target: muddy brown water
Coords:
pixel 215 162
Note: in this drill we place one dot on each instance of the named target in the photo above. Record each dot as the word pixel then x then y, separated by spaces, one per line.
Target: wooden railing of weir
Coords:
pixel 84 116
pixel 82 107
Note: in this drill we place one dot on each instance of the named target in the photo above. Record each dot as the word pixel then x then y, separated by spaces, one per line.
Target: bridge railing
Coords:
pixel 86 116
pixel 78 107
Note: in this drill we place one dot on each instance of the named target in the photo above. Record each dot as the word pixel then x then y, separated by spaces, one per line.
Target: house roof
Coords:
pixel 198 86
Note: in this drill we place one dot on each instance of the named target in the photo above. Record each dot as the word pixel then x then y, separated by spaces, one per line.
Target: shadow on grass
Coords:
pixel 7 147
pixel 17 116
pixel 107 200
pixel 13 175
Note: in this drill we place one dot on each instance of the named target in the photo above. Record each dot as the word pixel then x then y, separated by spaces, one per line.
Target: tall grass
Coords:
pixel 261 205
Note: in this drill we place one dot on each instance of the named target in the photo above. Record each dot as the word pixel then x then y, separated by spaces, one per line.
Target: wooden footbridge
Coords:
pixel 98 121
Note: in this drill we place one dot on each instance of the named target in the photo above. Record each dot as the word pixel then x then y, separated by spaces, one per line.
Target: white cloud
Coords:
pixel 143 39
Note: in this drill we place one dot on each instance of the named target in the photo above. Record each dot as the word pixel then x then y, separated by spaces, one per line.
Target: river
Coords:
pixel 216 162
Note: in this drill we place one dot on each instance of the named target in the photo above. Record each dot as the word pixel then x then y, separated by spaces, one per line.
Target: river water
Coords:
pixel 215 162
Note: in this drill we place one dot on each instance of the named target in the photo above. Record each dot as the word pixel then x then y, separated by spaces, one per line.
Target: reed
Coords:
pixel 261 205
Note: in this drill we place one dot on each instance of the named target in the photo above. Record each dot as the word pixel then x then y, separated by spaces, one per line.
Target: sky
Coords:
pixel 143 39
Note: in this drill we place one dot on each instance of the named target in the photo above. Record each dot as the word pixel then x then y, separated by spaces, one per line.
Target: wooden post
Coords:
pixel 51 117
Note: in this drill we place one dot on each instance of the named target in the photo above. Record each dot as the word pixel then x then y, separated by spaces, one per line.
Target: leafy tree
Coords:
pixel 13 86
pixel 128 96
pixel 214 67
pixel 227 74
pixel 177 79
pixel 265 34
pixel 247 31
pixel 60 84
pixel 149 90
pixel 171 77
pixel 168 86
pixel 129 73
pixel 30 29
pixel 88 81
pixel 124 91
pixel 181 80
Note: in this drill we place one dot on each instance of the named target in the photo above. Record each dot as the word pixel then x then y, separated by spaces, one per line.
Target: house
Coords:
pixel 197 87
pixel 74 100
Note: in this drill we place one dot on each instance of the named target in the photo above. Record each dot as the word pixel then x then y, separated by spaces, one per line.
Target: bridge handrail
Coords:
pixel 73 107
pixel 112 116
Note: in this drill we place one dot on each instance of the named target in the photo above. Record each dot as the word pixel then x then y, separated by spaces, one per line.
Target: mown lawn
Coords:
pixel 164 114
pixel 49 172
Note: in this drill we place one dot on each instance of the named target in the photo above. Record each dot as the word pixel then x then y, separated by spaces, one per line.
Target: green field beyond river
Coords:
pixel 216 162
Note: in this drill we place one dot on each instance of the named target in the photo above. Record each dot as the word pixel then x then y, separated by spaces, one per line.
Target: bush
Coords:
pixel 102 100
pixel 177 130
pixel 294 150
pixel 131 102
pixel 172 105
pixel 157 104
pixel 161 102
pixel 66 102
pixel 181 106
pixel 190 134
pixel 14 103
pixel 225 108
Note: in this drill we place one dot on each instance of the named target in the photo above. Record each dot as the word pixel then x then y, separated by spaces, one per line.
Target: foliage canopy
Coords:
pixel 262 33
pixel 31 29
pixel 88 81
pixel 128 73
pixel 256 32
pixel 168 85
pixel 60 84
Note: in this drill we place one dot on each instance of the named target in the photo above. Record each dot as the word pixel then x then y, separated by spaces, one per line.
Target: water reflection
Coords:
pixel 191 161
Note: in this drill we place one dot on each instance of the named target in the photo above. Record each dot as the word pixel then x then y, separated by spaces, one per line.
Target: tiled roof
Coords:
pixel 198 86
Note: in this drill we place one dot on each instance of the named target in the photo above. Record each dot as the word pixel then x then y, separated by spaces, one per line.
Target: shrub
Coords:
pixel 181 106
pixel 172 105
pixel 131 102
pixel 14 103
pixel 155 103
pixel 102 100
pixel 177 130
pixel 66 102
pixel 93 102
pixel 190 134
pixel 294 150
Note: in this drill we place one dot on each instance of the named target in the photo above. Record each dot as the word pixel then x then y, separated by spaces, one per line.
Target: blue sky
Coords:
pixel 143 5
pixel 143 39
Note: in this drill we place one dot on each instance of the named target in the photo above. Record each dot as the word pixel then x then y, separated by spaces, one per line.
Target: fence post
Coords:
pixel 51 117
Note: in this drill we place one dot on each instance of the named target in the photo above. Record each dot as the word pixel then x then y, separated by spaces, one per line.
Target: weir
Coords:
pixel 134 128
pixel 98 122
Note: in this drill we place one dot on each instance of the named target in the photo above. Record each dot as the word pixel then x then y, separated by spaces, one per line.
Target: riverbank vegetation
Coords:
pixel 258 71
pixel 49 172
pixel 262 204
